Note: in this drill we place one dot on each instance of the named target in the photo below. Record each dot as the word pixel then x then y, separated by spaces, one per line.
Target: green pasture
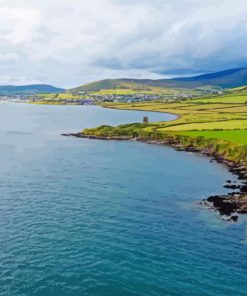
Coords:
pixel 231 98
pixel 234 136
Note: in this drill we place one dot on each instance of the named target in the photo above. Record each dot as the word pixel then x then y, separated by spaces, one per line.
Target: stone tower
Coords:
pixel 145 119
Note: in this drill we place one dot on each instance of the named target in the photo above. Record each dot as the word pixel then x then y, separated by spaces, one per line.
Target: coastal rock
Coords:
pixel 93 137
pixel 224 204
pixel 206 152
pixel 229 204
pixel 179 149
pixel 233 218
pixel 243 188
pixel 232 186
pixel 191 149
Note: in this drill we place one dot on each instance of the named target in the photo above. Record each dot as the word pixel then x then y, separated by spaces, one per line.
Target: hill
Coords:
pixel 123 84
pixel 224 79
pixel 28 89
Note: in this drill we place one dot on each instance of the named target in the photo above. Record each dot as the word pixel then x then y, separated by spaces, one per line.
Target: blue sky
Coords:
pixel 71 42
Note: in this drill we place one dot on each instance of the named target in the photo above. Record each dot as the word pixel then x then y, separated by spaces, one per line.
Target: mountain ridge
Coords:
pixel 229 78
pixel 28 89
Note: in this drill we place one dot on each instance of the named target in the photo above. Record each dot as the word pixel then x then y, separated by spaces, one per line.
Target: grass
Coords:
pixel 231 98
pixel 233 136
pixel 62 96
pixel 214 125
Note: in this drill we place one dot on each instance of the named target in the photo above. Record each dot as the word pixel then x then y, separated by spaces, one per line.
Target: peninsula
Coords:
pixel 214 125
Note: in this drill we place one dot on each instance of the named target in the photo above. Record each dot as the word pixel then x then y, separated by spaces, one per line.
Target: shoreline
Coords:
pixel 178 116
pixel 230 205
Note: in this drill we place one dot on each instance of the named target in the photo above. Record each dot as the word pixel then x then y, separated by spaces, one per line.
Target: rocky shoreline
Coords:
pixel 93 137
pixel 231 205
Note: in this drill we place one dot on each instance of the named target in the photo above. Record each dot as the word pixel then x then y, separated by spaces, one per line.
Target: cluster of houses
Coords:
pixel 142 97
pixel 13 98
pixel 89 99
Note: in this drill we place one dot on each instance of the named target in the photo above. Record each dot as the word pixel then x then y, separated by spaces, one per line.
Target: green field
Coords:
pixel 231 98
pixel 61 96
pixel 233 136
pixel 214 125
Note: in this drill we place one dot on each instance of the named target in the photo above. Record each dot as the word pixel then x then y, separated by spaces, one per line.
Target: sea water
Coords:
pixel 89 217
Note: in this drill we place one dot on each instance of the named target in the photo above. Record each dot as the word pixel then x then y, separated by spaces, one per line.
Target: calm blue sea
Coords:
pixel 98 218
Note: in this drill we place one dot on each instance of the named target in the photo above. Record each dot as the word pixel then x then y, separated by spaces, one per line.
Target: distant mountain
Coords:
pixel 28 89
pixel 223 79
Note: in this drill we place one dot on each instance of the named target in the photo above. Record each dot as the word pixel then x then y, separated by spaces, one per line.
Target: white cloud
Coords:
pixel 71 42
pixel 8 57
pixel 17 24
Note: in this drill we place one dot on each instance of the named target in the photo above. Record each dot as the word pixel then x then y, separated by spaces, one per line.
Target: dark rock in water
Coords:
pixel 233 218
pixel 214 198
pixel 227 207
pixel 234 193
pixel 224 204
pixel 229 204
pixel 233 186
pixel 228 181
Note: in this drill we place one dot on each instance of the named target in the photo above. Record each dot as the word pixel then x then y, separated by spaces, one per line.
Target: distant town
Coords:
pixel 84 98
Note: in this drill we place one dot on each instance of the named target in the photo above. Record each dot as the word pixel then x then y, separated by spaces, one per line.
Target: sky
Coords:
pixel 67 43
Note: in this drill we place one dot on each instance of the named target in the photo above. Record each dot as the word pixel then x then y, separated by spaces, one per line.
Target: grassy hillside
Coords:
pixel 138 85
pixel 224 79
pixel 125 87
pixel 232 136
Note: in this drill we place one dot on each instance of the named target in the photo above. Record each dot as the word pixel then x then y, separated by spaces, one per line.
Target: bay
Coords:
pixel 86 217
